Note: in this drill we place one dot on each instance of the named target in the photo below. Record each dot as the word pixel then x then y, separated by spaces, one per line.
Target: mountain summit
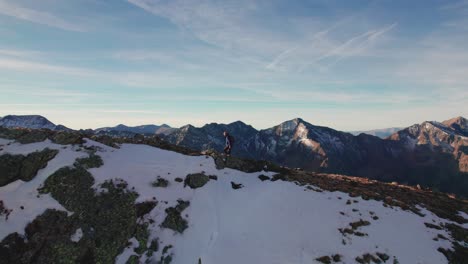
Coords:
pixel 29 121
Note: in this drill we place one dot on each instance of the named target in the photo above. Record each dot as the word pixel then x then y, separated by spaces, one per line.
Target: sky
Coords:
pixel 350 65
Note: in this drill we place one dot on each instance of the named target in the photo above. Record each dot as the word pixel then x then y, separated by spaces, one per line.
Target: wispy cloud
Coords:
pixel 10 8
pixel 40 67
pixel 233 28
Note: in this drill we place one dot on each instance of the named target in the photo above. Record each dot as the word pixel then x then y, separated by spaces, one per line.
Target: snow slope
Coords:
pixel 263 222
pixel 20 194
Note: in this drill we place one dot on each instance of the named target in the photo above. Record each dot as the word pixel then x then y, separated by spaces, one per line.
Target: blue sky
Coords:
pixel 350 65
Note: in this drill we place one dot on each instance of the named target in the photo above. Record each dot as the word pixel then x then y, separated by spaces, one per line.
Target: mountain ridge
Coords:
pixel 432 154
pixel 125 212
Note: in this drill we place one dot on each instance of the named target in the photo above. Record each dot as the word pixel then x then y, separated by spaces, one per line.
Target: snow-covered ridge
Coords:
pixel 262 222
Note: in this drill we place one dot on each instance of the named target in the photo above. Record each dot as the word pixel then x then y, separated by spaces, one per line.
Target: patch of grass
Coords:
pixel 133 259
pixel 108 221
pixel 174 219
pixel 160 182
pixel 154 247
pixel 19 167
pixel 92 161
pixel 165 258
pixel 142 235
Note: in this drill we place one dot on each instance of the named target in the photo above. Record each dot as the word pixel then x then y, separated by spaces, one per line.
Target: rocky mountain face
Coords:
pixel 29 121
pixel 381 133
pixel 431 154
pixel 448 137
pixel 210 136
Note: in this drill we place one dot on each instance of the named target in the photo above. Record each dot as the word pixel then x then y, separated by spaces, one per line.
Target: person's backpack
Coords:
pixel 231 139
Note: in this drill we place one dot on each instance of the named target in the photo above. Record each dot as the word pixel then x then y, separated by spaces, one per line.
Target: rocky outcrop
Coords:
pixel 196 180
pixel 25 135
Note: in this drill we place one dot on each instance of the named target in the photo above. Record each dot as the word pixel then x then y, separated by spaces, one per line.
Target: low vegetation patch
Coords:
pixel 160 182
pixel 174 218
pixel 25 168
pixel 375 258
pixel 92 161
pixel 353 230
pixel 329 259
pixel 108 220
pixel 166 258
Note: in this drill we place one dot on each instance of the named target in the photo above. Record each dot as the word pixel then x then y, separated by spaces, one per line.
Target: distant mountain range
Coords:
pixel 432 154
pixel 381 133
pixel 144 129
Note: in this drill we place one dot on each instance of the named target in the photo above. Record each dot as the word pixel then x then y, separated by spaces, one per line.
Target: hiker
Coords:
pixel 229 141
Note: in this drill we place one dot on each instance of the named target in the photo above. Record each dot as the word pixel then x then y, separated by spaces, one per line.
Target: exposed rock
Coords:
pixel 329 259
pixel 144 208
pixel 244 165
pixel 324 259
pixel 383 256
pixel 33 136
pixel 429 225
pixel 236 186
pixel 196 180
pixel 336 258
pixel 368 259
pixel 264 177
pixel 67 138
